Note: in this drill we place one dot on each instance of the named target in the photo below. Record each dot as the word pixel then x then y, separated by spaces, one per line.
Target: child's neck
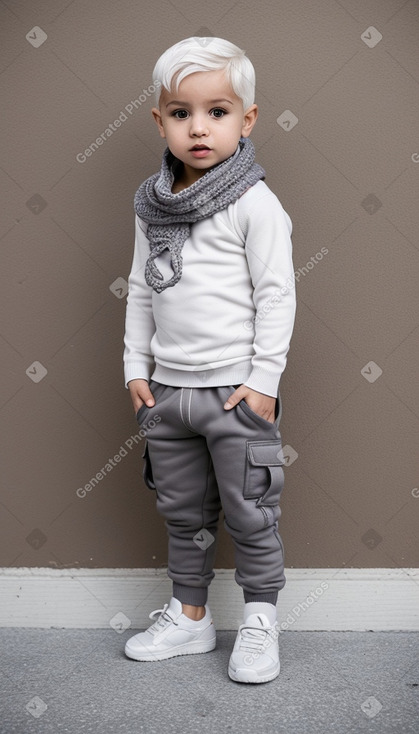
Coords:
pixel 184 179
pixel 178 186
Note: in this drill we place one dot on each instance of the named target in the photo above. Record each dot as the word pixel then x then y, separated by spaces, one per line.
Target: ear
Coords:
pixel 158 120
pixel 249 120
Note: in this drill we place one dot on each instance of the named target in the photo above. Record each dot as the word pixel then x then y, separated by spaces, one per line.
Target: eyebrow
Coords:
pixel 185 104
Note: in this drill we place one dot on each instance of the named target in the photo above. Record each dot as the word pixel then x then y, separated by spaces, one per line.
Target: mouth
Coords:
pixel 200 151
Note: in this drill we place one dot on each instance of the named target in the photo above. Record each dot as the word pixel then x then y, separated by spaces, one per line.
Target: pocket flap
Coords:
pixel 265 453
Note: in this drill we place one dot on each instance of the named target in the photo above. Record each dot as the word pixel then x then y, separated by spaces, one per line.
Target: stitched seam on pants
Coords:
pixel 209 463
pixel 189 408
pixel 185 420
pixel 182 392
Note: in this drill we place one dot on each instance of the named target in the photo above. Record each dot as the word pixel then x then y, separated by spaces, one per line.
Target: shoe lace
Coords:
pixel 163 619
pixel 255 639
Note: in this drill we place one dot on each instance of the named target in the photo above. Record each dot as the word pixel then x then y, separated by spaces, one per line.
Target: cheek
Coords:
pixel 172 130
pixel 238 123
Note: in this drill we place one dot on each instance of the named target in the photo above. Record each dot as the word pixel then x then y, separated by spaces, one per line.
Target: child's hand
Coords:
pixel 140 394
pixel 263 405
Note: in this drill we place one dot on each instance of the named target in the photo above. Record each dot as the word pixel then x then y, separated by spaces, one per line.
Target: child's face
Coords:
pixel 204 112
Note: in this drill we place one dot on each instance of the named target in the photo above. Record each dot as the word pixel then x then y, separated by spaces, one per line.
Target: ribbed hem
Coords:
pixel 271 597
pixel 197 596
pixel 232 374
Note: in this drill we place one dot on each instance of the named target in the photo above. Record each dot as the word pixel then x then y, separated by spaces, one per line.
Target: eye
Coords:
pixel 217 112
pixel 180 114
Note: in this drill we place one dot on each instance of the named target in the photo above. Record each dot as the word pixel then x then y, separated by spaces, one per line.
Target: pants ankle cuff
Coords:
pixel 196 596
pixel 270 597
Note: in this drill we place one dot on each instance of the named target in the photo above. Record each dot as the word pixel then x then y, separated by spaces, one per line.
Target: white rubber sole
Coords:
pixel 190 648
pixel 247 675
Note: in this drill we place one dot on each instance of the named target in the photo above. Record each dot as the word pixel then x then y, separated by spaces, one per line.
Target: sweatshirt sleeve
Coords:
pixel 268 250
pixel 139 321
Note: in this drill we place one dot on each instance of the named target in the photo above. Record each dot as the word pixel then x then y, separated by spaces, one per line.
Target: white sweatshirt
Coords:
pixel 230 318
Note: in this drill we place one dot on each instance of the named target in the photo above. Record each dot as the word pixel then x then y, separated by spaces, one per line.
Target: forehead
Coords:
pixel 201 86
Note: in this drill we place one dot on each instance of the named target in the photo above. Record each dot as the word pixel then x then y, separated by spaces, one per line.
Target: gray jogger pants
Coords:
pixel 200 459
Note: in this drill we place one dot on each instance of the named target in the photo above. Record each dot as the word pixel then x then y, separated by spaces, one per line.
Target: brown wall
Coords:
pixel 347 174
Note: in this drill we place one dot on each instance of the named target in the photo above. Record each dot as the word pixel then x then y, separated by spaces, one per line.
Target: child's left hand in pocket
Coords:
pixel 263 405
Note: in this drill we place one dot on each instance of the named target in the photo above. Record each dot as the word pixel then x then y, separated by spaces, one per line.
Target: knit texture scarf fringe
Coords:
pixel 169 216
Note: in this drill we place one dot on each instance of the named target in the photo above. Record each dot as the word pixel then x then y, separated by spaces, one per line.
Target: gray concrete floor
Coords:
pixel 79 681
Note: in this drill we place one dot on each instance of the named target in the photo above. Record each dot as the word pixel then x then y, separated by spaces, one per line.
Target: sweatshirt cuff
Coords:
pixel 137 371
pixel 263 381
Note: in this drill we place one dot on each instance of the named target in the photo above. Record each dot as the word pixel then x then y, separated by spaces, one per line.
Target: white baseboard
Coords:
pixel 312 599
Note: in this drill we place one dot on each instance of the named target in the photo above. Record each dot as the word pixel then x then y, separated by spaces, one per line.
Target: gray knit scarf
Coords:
pixel 169 216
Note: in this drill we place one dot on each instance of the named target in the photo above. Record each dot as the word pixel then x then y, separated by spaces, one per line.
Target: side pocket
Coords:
pixel 157 389
pixel 147 470
pixel 141 412
pixel 264 475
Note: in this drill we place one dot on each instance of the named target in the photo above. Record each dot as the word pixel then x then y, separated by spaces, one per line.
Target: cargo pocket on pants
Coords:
pixel 264 475
pixel 147 470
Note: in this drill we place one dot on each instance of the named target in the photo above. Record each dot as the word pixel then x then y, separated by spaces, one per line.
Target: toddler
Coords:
pixel 210 313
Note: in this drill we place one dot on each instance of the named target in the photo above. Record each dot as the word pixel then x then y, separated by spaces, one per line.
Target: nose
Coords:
pixel 198 126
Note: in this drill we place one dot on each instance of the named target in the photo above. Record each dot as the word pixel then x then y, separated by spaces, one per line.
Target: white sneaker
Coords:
pixel 172 634
pixel 255 656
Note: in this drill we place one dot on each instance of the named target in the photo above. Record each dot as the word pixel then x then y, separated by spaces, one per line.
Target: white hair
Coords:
pixel 206 54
